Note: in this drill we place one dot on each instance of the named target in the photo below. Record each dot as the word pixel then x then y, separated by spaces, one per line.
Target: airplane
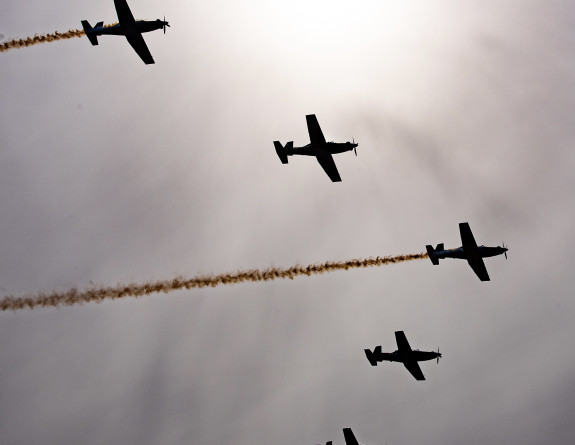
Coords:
pixel 128 27
pixel 317 147
pixel 469 251
pixel 349 437
pixel 404 354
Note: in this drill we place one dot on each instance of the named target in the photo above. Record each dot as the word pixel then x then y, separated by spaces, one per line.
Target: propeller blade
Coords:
pixel 164 23
pixel 438 355
pixel 355 150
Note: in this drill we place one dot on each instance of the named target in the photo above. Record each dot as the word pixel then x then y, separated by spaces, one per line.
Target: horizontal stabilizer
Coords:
pixel 431 254
pixel 90 32
pixel 280 150
pixel 373 356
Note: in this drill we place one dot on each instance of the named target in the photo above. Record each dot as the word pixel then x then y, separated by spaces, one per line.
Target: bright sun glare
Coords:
pixel 323 22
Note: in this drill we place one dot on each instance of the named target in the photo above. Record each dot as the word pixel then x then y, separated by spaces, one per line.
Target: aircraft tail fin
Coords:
pixel 90 31
pixel 281 151
pixel 349 437
pixel 431 253
pixel 372 356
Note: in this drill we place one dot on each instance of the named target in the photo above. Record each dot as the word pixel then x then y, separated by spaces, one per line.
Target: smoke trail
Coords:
pixel 44 38
pixel 74 296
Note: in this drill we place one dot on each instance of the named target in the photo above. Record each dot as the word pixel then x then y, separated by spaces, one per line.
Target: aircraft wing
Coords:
pixel 467 239
pixel 314 130
pixel 131 32
pixel 414 368
pixel 139 45
pixel 327 163
pixel 479 268
pixel 472 252
pixel 125 16
pixel 402 343
pixel 349 437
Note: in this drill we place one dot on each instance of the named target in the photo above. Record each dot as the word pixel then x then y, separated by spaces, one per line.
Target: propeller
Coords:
pixel 165 24
pixel 505 253
pixel 354 148
pixel 438 355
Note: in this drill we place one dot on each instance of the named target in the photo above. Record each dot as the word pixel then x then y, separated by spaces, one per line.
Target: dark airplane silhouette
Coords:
pixel 468 251
pixel 128 27
pixel 404 354
pixel 349 437
pixel 317 147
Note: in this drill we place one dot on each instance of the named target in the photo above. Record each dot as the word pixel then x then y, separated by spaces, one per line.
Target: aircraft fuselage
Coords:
pixel 142 26
pixel 314 150
pixel 414 355
pixel 460 253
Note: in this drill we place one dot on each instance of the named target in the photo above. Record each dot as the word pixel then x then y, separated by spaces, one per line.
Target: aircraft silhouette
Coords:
pixel 128 27
pixel 404 354
pixel 317 147
pixel 469 251
pixel 349 437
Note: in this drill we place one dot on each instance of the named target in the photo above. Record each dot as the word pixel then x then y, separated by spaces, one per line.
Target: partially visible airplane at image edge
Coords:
pixel 317 147
pixel 129 27
pixel 469 251
pixel 404 354
pixel 349 437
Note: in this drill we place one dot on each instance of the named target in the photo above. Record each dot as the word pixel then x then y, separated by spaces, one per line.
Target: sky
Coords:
pixel 113 172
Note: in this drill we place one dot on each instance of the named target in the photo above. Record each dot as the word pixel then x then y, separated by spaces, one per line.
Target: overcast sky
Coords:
pixel 112 171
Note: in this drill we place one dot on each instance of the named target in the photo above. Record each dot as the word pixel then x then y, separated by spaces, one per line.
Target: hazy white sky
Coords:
pixel 112 171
